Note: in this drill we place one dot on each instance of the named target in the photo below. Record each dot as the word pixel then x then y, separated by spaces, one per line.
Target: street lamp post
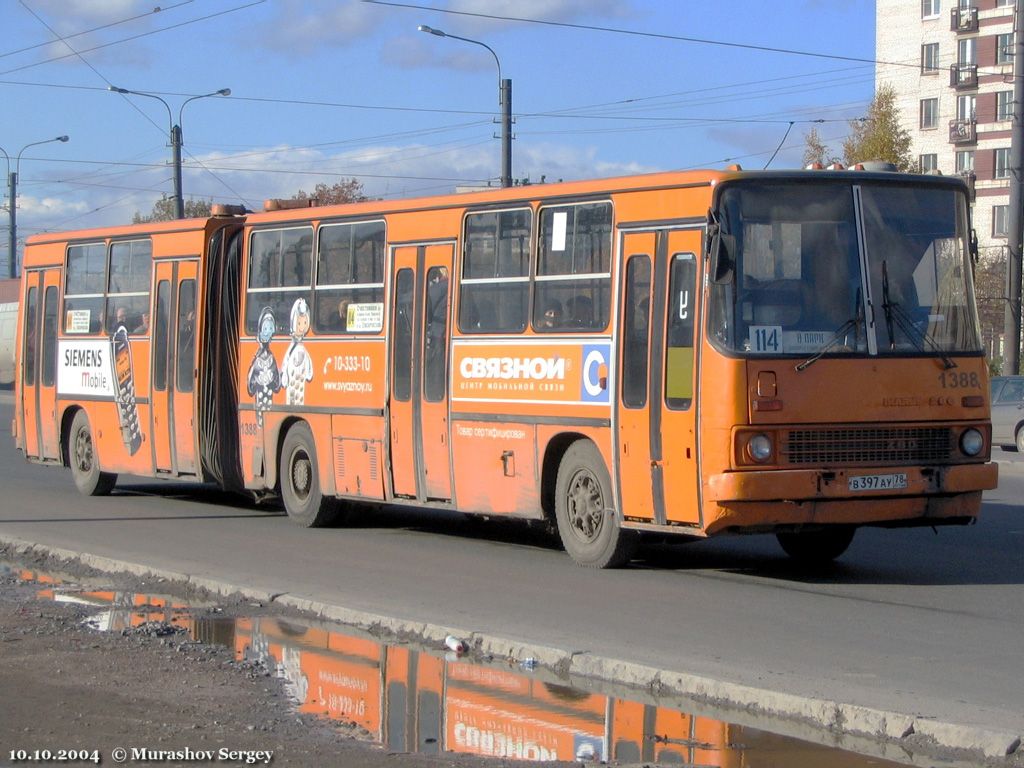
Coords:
pixel 12 191
pixel 504 101
pixel 174 133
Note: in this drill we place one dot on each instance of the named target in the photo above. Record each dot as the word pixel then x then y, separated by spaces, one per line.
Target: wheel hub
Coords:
pixel 83 451
pixel 302 473
pixel 585 506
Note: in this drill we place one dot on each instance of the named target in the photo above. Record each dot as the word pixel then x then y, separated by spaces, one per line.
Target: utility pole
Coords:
pixel 504 101
pixel 12 233
pixel 179 197
pixel 1015 223
pixel 506 132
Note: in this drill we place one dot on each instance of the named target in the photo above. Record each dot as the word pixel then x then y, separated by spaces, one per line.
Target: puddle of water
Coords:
pixel 428 701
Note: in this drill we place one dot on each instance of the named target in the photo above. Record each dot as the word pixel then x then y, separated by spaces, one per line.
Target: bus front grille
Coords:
pixel 869 445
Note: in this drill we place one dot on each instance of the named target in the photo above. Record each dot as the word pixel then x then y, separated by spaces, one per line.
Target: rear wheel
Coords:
pixel 85 465
pixel 1020 440
pixel 300 481
pixel 816 547
pixel 587 523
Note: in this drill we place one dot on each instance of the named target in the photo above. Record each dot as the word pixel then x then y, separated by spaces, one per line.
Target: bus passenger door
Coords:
pixel 677 462
pixel 49 429
pixel 658 470
pixel 636 494
pixel 418 398
pixel 434 438
pixel 173 366
pixel 39 365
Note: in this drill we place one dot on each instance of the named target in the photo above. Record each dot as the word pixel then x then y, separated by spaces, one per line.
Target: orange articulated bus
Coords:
pixel 691 353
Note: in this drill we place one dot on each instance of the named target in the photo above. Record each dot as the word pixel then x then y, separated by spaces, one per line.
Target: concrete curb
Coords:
pixel 833 716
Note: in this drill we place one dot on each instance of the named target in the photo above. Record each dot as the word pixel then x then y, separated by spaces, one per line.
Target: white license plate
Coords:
pixel 891 482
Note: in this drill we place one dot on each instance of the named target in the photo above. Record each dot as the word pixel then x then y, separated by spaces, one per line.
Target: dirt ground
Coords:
pixel 64 686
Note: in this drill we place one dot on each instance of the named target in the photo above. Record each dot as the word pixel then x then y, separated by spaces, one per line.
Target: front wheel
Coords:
pixel 1020 440
pixel 587 523
pixel 816 548
pixel 300 481
pixel 85 466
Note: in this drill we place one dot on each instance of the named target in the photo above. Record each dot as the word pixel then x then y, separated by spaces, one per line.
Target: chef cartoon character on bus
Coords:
pixel 264 376
pixel 298 365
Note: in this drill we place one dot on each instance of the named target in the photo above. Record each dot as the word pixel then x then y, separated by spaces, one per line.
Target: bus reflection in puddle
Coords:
pixel 427 701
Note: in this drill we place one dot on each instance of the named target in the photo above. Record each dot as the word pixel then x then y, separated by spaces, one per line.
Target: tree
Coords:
pixel 163 210
pixel 816 150
pixel 349 191
pixel 879 136
pixel 990 293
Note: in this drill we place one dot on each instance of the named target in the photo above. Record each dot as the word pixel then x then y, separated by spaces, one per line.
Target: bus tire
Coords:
pixel 84 463
pixel 816 548
pixel 587 524
pixel 304 502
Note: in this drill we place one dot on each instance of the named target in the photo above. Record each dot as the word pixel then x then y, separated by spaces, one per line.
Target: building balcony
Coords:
pixel 963 131
pixel 963 75
pixel 964 20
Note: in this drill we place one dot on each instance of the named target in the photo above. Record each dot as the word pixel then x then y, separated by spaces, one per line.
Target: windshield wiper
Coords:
pixel 887 305
pixel 853 324
pixel 894 312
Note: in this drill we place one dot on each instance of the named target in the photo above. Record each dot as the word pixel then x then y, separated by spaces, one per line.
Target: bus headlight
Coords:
pixel 759 448
pixel 971 442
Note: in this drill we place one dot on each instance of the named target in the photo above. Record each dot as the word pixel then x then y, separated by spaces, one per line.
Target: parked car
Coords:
pixel 1008 412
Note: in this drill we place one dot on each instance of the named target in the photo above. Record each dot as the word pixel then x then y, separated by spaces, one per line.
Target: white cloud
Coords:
pixel 30 207
pixel 300 26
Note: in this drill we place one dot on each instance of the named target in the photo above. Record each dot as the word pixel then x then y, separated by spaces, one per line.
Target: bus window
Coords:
pixel 401 371
pixel 280 272
pixel 49 350
pixel 160 335
pixel 84 287
pixel 679 336
pixel 574 266
pixel 29 357
pixel 495 280
pixel 436 339
pixel 636 323
pixel 131 265
pixel 186 335
pixel 349 294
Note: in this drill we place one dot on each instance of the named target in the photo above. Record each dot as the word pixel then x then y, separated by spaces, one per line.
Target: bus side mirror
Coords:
pixel 721 250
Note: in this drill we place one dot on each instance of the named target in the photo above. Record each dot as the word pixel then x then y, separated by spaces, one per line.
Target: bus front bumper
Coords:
pixel 819 484
pixel 766 499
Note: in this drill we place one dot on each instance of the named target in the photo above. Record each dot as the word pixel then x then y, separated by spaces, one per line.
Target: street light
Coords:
pixel 12 181
pixel 175 136
pixel 504 101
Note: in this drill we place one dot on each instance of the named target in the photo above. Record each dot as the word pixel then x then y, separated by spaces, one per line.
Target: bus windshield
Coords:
pixel 812 260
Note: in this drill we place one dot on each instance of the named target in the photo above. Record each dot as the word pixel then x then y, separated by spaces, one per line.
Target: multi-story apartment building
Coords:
pixel 951 64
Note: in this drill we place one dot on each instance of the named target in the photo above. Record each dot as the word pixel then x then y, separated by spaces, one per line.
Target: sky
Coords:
pixel 327 90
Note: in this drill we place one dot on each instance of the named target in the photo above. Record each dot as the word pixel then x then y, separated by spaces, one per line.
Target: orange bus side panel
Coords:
pixel 496 468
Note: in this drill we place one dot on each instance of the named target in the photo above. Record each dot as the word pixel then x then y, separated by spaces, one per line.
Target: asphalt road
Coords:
pixel 908 621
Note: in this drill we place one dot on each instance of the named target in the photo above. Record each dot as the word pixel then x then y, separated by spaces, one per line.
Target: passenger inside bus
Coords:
pixel 552 315
pixel 581 312
pixel 341 319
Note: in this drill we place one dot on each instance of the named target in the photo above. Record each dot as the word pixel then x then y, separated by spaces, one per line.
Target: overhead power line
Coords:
pixel 640 33
pixel 136 37
pixel 158 9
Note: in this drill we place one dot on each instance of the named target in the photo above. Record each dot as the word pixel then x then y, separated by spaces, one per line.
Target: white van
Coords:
pixel 8 328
